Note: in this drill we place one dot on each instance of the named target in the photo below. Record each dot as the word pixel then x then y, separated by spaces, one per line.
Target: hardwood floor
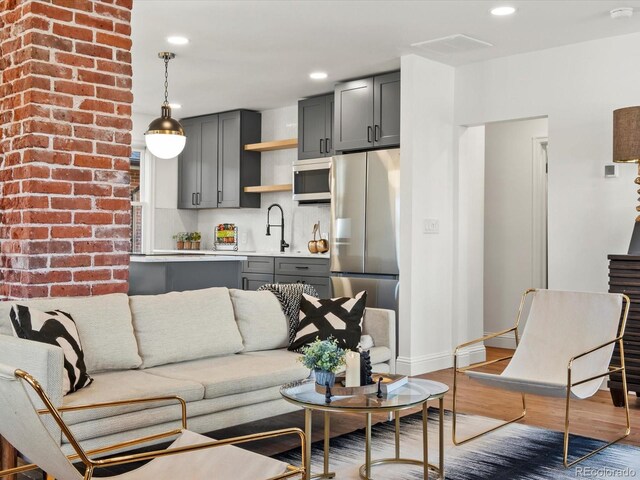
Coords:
pixel 595 417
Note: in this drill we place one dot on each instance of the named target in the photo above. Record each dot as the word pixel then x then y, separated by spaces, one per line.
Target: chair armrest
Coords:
pixel 380 323
pixel 212 444
pixel 482 339
pixel 584 354
pixel 43 361
pixel 119 403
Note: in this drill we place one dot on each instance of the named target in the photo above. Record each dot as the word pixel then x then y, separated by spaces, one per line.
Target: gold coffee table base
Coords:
pixel 397 461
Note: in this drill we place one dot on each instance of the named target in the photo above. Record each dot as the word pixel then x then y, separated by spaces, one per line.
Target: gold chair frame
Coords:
pixel 612 369
pixel 92 465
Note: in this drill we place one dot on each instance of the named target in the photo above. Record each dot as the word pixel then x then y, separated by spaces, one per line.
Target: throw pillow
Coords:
pixel 55 328
pixel 339 318
pixel 289 295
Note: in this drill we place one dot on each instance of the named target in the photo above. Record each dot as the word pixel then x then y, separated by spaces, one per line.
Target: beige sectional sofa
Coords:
pixel 223 351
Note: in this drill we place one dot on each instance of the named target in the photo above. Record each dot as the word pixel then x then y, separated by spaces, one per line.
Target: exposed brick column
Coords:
pixel 65 92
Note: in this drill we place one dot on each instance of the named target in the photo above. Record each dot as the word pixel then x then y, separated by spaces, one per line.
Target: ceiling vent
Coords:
pixel 450 45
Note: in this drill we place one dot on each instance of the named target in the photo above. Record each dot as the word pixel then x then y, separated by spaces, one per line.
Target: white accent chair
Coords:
pixel 191 455
pixel 565 351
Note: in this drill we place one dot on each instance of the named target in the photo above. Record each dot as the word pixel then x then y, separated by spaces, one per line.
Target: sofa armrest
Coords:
pixel 380 323
pixel 44 362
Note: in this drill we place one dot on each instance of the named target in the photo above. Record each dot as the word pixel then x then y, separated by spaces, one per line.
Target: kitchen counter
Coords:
pixel 203 254
pixel 164 258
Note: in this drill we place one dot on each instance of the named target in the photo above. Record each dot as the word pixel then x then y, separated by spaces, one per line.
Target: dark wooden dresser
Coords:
pixel 624 277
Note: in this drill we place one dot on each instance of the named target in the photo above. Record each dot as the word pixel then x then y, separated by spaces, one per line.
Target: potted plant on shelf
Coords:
pixel 188 238
pixel 324 357
pixel 195 240
pixel 179 238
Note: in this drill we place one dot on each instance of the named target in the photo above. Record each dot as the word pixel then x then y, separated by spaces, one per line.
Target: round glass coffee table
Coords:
pixel 415 393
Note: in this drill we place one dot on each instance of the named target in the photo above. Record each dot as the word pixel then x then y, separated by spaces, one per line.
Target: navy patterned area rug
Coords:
pixel 513 452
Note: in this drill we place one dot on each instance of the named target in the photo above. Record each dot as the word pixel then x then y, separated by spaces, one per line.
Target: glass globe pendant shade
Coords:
pixel 165 137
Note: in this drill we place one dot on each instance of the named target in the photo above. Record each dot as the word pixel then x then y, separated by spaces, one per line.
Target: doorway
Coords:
pixel 515 219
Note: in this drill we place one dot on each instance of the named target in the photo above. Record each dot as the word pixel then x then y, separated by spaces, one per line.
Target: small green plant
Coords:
pixel 196 236
pixel 323 355
pixel 180 237
pixel 188 237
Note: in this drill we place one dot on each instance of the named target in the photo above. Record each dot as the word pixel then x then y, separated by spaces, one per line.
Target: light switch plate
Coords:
pixel 431 225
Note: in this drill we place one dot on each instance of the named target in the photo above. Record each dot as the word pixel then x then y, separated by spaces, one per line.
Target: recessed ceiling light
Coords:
pixel 177 40
pixel 624 12
pixel 318 75
pixel 502 11
pixel 175 105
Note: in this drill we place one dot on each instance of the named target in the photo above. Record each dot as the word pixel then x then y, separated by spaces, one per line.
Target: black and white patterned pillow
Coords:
pixel 55 328
pixel 289 295
pixel 339 318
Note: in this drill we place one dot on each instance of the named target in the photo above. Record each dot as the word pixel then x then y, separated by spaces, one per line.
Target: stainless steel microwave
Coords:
pixel 311 181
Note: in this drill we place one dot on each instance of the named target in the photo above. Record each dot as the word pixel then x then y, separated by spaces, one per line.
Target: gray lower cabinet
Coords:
pixel 314 267
pixel 154 278
pixel 256 271
pixel 253 281
pixel 214 167
pixel 321 284
pixel 315 127
pixel 367 113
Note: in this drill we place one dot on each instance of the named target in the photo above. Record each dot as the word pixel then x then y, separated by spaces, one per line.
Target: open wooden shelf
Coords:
pixel 269 188
pixel 274 145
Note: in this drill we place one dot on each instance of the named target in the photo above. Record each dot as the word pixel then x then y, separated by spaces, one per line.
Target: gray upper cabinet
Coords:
pixel 353 125
pixel 386 110
pixel 214 168
pixel 315 127
pixel 207 196
pixel 367 113
pixel 189 165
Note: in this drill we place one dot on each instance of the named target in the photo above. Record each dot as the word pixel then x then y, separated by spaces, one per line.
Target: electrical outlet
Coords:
pixel 431 225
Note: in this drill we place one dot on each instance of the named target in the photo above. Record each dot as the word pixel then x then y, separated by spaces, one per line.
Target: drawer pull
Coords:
pixel 302 268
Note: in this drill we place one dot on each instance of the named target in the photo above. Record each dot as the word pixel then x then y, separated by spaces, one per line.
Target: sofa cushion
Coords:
pixel 126 385
pixel 262 323
pixel 104 326
pixel 54 327
pixel 239 373
pixel 180 326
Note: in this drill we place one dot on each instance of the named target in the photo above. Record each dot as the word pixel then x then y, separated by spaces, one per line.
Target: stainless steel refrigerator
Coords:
pixel 365 206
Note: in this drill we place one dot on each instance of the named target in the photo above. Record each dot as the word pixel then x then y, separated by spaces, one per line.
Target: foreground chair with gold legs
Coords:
pixel 191 455
pixel 565 352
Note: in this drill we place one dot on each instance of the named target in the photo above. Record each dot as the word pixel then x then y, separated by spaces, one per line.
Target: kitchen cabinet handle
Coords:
pixel 327 144
pixel 301 268
pixel 198 200
pixel 322 145
pixel 244 283
pixel 219 196
pixel 376 135
pixel 369 129
pixel 193 198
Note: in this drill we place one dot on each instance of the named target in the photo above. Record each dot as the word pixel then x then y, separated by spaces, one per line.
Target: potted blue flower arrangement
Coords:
pixel 324 357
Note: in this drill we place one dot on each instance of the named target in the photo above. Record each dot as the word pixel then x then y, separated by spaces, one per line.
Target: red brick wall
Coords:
pixel 65 113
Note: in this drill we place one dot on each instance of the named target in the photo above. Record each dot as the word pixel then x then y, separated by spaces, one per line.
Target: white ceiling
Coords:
pixel 258 54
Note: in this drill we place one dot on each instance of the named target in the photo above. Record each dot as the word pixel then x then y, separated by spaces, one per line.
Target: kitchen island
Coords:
pixel 178 270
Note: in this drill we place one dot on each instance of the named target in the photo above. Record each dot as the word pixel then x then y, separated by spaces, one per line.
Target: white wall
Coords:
pixel 511 264
pixel 277 124
pixel 426 260
pixel 577 87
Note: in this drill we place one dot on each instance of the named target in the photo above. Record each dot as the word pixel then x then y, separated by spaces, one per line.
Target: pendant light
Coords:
pixel 165 137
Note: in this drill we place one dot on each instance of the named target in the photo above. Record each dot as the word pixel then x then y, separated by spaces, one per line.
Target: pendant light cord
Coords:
pixel 166 81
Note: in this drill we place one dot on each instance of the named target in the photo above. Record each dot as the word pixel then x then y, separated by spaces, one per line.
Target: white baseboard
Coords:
pixel 506 340
pixel 437 361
